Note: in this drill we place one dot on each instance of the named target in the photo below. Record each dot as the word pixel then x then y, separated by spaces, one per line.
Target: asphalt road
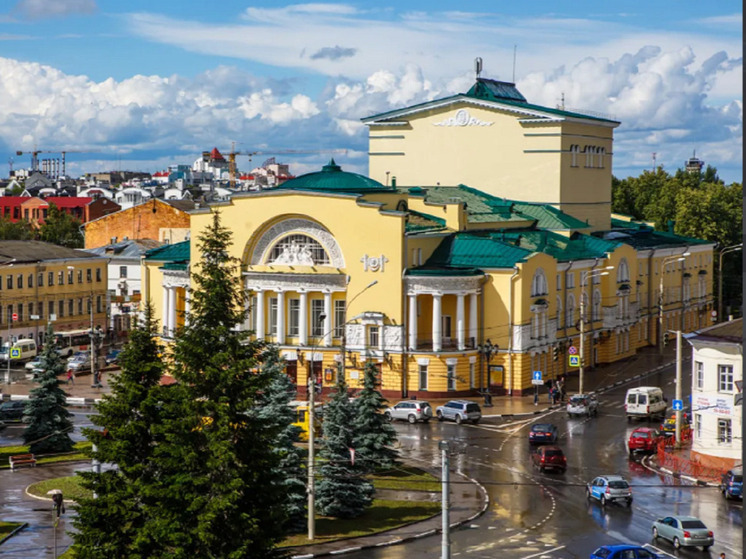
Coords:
pixel 547 515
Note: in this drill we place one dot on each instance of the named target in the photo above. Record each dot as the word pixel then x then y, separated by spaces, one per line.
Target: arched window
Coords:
pixel 585 306
pixel 601 157
pixel 588 156
pixel 596 313
pixel 570 310
pixel 301 250
pixel 622 272
pixel 574 150
pixel 539 284
pixel 560 320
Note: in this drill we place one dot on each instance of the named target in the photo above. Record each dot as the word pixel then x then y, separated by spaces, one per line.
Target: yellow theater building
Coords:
pixel 452 290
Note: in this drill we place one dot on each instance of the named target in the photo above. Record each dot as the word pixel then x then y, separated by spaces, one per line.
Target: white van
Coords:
pixel 21 350
pixel 645 402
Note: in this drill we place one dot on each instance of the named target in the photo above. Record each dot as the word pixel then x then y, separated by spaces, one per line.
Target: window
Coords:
pixel 724 431
pixel 293 317
pixel 40 280
pixel 601 157
pixel 451 372
pixel 339 318
pixel 70 277
pixel 596 310
pixel 30 310
pixel 122 271
pixel 472 375
pixel 10 281
pixel 622 272
pixel 570 310
pixel 50 279
pixel 374 336
pixel 317 325
pixel 30 280
pixel 699 375
pixel 698 426
pixel 60 278
pixel 559 312
pixel 89 275
pixel 574 150
pixel 298 249
pixel 20 281
pixel 20 312
pixel 70 307
pixel 61 308
pixel 99 308
pixel 89 306
pixel 725 378
pixel 51 308
pixel 98 274
pixel 273 316
pixel 539 283
pixel 80 276
pixel 40 306
pixel 422 377
pixel 570 280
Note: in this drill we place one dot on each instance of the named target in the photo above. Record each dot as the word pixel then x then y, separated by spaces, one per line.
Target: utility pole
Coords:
pixel 588 278
pixel 678 387
pixel 445 545
pixel 311 442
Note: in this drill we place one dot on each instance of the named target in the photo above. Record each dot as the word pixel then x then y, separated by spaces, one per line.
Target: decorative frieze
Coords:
pixel 462 118
pixel 271 236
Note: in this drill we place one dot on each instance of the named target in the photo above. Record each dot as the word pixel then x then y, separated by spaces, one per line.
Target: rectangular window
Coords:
pixel 80 276
pixel 70 277
pixel 30 281
pixel 20 312
pixel 725 378
pixel 89 275
pixel 698 426
pixel 293 317
pixel 60 308
pixel 699 375
pixel 273 316
pixel 60 278
pixel 89 305
pixel 10 281
pixel 70 307
pixel 451 373
pixel 724 431
pixel 50 279
pixel 339 318
pixel 40 306
pixel 422 377
pixel 122 271
pixel 20 281
pixel 374 336
pixel 571 280
pixel 80 305
pixel 51 308
pixel 99 308
pixel 30 310
pixel 98 274
pixel 472 375
pixel 317 325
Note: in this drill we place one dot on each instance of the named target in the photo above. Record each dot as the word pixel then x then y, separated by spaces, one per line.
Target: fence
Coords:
pixel 679 462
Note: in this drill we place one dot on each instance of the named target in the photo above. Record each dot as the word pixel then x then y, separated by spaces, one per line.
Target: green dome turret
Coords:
pixel 332 178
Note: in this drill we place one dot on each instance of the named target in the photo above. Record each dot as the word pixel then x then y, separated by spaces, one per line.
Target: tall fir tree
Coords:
pixel 343 491
pixel 221 491
pixel 275 408
pixel 48 421
pixel 374 435
pixel 111 524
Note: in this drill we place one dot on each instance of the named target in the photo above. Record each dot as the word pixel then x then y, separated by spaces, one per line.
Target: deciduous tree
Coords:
pixel 61 229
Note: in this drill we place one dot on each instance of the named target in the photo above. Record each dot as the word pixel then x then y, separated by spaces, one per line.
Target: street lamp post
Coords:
pixel 588 277
pixel 723 252
pixel 664 263
pixel 487 350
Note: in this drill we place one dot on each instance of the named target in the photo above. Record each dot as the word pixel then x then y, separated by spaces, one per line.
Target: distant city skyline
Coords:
pixel 142 85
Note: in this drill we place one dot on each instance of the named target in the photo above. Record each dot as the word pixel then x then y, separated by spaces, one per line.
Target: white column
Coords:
pixel 460 321
pixel 259 310
pixel 413 322
pixel 172 309
pixel 280 317
pixel 303 326
pixel 473 317
pixel 328 319
pixel 166 310
pixel 437 322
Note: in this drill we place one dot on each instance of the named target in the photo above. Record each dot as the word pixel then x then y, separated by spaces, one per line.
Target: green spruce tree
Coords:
pixel 111 524
pixel 374 435
pixel 275 409
pixel 221 491
pixel 48 423
pixel 343 491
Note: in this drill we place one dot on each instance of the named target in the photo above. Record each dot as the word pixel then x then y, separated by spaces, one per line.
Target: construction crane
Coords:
pixel 233 153
pixel 35 157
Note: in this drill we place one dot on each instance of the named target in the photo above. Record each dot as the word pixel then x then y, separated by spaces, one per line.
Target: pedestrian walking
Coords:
pixel 722 556
pixel 70 377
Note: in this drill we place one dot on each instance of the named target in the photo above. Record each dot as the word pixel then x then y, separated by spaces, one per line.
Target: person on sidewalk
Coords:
pixel 70 377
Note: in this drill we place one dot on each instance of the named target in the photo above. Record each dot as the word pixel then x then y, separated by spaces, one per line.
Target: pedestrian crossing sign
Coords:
pixel 15 353
pixel 574 360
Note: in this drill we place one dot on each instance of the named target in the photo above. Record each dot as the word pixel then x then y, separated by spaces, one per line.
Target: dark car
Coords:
pixel 623 551
pixel 543 433
pixel 643 439
pixel 13 410
pixel 549 458
pixel 731 484
pixel 112 357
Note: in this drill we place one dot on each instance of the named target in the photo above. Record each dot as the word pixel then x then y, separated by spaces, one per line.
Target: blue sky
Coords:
pixel 139 85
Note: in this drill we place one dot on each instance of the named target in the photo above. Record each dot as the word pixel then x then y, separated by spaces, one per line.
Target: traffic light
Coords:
pixel 555 353
pixel 665 338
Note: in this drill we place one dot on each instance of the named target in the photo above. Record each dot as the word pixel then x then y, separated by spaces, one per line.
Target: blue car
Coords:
pixel 623 551
pixel 112 357
pixel 731 484
pixel 543 433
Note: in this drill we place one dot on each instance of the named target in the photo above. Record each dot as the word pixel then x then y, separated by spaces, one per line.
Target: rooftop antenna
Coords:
pixel 515 48
pixel 478 66
pixel 654 162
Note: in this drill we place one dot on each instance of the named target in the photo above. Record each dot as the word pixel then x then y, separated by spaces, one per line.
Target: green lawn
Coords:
pixel 70 487
pixel 406 478
pixel 7 527
pixel 76 455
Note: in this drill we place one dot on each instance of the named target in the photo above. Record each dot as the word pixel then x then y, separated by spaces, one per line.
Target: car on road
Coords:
pixel 13 410
pixel 645 402
pixel 623 551
pixel 683 531
pixel 543 433
pixel 459 411
pixel 582 404
pixel 80 363
pixel 410 410
pixel 643 439
pixel 112 357
pixel 731 484
pixel 608 489
pixel 668 428
pixel 549 458
pixel 78 355
pixel 34 365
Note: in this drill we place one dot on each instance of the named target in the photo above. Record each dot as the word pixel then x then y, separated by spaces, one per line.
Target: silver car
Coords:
pixel 410 410
pixel 683 531
pixel 459 411
pixel 582 404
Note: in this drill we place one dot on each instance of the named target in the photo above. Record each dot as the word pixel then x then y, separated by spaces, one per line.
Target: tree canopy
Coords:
pixel 61 229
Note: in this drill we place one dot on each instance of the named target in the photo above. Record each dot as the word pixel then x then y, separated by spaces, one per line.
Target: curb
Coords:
pixel 13 533
pixel 396 541
pixel 70 400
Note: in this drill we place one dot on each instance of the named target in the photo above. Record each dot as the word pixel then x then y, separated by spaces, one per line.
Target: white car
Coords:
pixel 582 404
pixel 34 365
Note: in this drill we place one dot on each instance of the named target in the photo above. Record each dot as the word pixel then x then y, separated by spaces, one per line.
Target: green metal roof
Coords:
pixel 177 252
pixel 549 217
pixel 442 271
pixel 642 236
pixel 562 248
pixel 332 178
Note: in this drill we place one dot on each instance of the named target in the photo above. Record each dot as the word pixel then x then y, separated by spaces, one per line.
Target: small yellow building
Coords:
pixel 452 290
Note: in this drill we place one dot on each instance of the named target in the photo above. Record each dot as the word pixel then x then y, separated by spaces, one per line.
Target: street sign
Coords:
pixel 574 360
pixel 15 353
pixel 536 379
pixel 572 350
pixel 678 405
pixel 15 317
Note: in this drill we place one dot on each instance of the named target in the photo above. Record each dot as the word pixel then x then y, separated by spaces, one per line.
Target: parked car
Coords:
pixel 459 411
pixel 13 410
pixel 34 365
pixel 623 551
pixel 549 458
pixel 609 489
pixel 410 410
pixel 542 433
pixel 731 484
pixel 112 357
pixel 643 439
pixel 668 427
pixel 683 531
pixel 80 363
pixel 582 404
pixel 79 355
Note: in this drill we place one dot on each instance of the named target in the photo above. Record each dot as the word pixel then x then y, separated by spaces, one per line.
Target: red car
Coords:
pixel 549 458
pixel 643 439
